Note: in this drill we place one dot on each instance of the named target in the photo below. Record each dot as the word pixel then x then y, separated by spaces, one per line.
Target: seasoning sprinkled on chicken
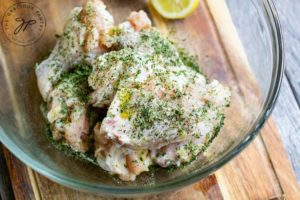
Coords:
pixel 160 109
pixel 79 40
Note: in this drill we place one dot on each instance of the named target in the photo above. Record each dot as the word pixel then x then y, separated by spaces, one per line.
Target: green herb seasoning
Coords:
pixel 74 84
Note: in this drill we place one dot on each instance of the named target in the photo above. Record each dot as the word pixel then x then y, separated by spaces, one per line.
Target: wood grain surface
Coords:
pixel 20 178
pixel 287 111
pixel 261 171
pixel 6 191
pixel 289 14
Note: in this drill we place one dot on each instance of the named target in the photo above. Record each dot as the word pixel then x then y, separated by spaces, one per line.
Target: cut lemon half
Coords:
pixel 175 9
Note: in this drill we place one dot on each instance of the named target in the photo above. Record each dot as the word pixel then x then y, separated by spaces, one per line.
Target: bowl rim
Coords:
pixel 176 183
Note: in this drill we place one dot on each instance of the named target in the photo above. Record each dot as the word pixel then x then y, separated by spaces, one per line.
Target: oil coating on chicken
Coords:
pixel 108 69
pixel 80 38
pixel 157 105
pixel 67 109
pixel 160 109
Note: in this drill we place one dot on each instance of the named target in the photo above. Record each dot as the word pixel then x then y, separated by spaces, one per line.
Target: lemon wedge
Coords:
pixel 175 9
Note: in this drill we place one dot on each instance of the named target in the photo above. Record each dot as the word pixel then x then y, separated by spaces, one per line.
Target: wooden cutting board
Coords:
pixel 261 171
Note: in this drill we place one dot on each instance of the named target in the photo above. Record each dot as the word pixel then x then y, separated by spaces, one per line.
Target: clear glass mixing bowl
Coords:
pixel 254 91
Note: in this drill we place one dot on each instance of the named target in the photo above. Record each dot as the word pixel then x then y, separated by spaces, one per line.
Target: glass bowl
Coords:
pixel 254 80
